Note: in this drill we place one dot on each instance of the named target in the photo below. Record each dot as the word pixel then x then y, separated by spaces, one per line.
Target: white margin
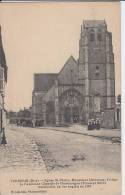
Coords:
pixel 123 91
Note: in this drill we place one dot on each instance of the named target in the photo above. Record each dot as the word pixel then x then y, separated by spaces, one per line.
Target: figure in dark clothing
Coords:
pixel 93 124
pixel 97 124
pixel 89 125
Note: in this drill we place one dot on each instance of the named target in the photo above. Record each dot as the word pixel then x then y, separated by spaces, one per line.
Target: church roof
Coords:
pixel 70 60
pixel 44 81
pixel 94 23
pixel 69 72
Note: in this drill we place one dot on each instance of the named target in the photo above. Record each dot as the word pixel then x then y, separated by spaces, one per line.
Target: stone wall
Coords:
pixel 108 119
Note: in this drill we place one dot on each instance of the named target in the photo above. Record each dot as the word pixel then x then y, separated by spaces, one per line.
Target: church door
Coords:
pixel 67 114
pixel 71 103
pixel 75 114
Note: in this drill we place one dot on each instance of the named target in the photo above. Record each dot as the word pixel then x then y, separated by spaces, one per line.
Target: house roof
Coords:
pixel 2 57
pixel 44 81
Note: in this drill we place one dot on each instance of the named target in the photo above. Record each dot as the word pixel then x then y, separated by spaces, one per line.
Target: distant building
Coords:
pixel 84 88
pixel 3 80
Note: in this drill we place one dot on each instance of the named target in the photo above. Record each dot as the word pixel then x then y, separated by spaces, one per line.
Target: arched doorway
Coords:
pixel 71 103
pixel 76 114
pixel 67 114
pixel 71 114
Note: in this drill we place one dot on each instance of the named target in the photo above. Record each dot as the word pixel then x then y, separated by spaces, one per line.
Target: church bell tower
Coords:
pixel 96 68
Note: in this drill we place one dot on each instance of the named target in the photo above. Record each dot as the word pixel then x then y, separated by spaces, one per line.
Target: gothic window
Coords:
pixel 92 35
pixel 118 115
pixel 97 70
pixel 99 35
pixel 97 103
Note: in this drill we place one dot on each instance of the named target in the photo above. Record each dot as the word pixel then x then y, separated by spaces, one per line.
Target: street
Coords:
pixel 49 150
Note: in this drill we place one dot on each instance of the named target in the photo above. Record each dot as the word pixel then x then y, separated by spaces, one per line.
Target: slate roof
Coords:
pixel 44 81
pixel 70 60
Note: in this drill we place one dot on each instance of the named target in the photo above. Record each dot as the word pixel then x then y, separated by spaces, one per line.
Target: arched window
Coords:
pixel 99 35
pixel 118 114
pixel 97 70
pixel 92 35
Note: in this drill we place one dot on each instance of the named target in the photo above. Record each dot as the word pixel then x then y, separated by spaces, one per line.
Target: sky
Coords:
pixel 40 37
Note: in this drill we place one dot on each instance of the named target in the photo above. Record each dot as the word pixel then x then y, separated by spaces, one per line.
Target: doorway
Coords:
pixel 71 114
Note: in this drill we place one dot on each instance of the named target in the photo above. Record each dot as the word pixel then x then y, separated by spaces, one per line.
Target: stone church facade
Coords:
pixel 83 89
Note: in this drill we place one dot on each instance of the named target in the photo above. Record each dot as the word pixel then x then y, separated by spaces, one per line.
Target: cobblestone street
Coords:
pixel 21 152
pixel 49 150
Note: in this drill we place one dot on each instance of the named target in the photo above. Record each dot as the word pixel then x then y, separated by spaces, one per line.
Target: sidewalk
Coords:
pixel 113 135
pixel 20 153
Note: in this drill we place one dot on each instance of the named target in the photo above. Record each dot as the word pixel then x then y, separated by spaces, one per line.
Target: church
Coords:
pixel 84 88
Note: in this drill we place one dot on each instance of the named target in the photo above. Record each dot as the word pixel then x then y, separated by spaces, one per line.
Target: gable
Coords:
pixel 69 72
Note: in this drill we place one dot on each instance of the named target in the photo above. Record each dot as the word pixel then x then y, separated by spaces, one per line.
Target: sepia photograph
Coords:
pixel 60 98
